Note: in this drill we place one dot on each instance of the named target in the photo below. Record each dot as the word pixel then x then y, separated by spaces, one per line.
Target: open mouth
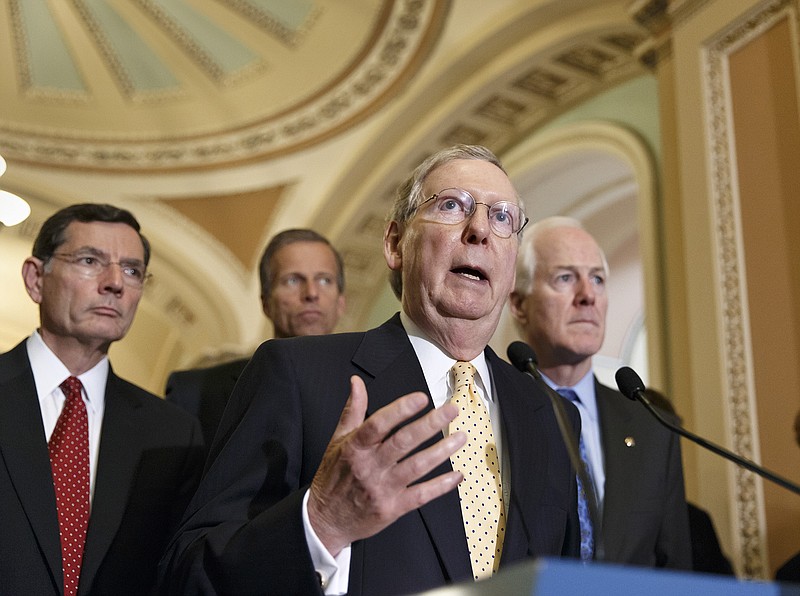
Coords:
pixel 470 273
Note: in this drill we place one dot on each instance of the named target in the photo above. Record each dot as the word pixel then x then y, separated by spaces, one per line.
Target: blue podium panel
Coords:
pixel 558 577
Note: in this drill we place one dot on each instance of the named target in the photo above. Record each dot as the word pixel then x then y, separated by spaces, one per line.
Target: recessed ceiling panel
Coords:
pixel 140 84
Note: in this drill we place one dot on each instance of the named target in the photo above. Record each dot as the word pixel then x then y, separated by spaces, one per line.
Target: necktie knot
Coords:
pixel 568 394
pixel 71 387
pixel 463 374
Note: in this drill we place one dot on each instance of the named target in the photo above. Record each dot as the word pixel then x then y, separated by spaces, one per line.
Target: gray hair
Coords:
pixel 526 259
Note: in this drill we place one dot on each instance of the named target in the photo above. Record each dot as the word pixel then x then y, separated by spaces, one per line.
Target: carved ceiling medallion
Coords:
pixel 174 85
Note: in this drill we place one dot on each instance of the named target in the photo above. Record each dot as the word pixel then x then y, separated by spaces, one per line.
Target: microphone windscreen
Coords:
pixel 521 354
pixel 629 382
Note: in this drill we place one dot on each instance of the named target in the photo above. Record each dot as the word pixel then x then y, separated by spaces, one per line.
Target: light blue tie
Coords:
pixel 587 532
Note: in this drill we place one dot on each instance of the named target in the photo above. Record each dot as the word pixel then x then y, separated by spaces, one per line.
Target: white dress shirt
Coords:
pixel 436 365
pixel 48 374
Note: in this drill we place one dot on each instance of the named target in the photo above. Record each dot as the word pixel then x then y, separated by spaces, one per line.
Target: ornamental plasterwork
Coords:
pixel 403 31
pixel 506 109
pixel 749 499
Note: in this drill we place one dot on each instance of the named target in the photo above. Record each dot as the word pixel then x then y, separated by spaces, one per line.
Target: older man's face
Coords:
pixel 92 309
pixel 458 271
pixel 565 313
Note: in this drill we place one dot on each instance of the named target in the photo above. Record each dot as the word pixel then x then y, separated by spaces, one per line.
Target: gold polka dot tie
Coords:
pixel 69 460
pixel 480 492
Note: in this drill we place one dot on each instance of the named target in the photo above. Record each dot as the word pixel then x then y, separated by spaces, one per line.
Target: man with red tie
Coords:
pixel 94 471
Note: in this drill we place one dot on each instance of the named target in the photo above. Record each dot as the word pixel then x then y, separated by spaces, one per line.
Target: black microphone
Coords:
pixel 524 359
pixel 632 387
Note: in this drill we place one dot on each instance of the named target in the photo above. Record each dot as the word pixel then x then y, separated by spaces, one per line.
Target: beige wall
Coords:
pixel 727 74
pixel 765 119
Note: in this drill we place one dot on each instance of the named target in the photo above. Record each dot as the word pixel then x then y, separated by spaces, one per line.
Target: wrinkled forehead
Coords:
pixel 483 180
pixel 112 238
pixel 566 246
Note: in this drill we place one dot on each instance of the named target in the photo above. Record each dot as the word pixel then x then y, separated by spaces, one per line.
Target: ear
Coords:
pixel 266 307
pixel 392 250
pixel 340 306
pixel 516 304
pixel 32 274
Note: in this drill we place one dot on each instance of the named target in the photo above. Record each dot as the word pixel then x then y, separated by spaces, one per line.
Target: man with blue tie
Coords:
pixel 560 304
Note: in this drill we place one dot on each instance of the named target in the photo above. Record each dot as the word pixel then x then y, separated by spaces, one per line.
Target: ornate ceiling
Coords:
pixel 172 84
pixel 221 122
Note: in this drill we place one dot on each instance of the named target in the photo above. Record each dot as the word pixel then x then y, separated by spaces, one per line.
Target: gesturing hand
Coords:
pixel 363 483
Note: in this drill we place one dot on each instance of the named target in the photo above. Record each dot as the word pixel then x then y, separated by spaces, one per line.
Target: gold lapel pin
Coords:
pixel 630 442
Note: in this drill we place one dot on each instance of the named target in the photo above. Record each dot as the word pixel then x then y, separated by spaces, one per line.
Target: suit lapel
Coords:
pixel 527 451
pixel 116 466
pixel 23 449
pixel 387 355
pixel 613 417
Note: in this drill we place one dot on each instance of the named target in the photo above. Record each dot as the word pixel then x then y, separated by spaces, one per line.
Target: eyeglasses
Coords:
pixel 92 265
pixel 454 205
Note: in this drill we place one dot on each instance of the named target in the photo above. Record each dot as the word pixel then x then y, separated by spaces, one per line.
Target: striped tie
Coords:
pixel 587 532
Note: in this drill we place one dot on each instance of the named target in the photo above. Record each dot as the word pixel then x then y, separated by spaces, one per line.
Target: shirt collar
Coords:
pixel 584 389
pixel 436 363
pixel 49 372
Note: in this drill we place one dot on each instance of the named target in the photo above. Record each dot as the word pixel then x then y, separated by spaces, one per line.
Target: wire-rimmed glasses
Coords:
pixel 454 205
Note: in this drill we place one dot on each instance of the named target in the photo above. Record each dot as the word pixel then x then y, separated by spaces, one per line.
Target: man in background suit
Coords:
pixel 331 469
pixel 560 303
pixel 707 555
pixel 789 571
pixel 302 293
pixel 94 471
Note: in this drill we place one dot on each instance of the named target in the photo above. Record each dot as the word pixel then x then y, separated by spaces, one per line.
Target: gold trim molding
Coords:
pixel 748 494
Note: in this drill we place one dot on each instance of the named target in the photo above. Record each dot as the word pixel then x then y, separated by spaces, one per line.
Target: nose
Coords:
pixel 310 291
pixel 586 293
pixel 111 279
pixel 478 229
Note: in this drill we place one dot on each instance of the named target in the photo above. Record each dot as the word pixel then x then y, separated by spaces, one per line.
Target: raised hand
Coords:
pixel 364 482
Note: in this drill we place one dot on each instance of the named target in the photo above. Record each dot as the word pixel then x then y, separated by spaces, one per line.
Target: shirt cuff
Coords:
pixel 333 572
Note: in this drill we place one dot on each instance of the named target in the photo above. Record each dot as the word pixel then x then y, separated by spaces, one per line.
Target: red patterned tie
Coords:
pixel 69 460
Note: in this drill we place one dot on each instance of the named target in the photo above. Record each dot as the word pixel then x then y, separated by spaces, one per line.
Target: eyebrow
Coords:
pixel 101 253
pixel 592 269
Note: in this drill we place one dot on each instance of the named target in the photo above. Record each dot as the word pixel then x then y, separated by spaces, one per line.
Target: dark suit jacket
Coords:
pixel 790 570
pixel 645 521
pixel 149 464
pixel 243 533
pixel 204 392
pixel 707 555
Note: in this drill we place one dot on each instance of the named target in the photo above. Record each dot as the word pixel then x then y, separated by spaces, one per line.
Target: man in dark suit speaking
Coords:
pixel 94 471
pixel 560 302
pixel 340 464
pixel 302 293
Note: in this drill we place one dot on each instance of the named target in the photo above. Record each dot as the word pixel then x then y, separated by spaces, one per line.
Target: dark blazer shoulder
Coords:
pixel 138 397
pixel 14 363
pixel 226 370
